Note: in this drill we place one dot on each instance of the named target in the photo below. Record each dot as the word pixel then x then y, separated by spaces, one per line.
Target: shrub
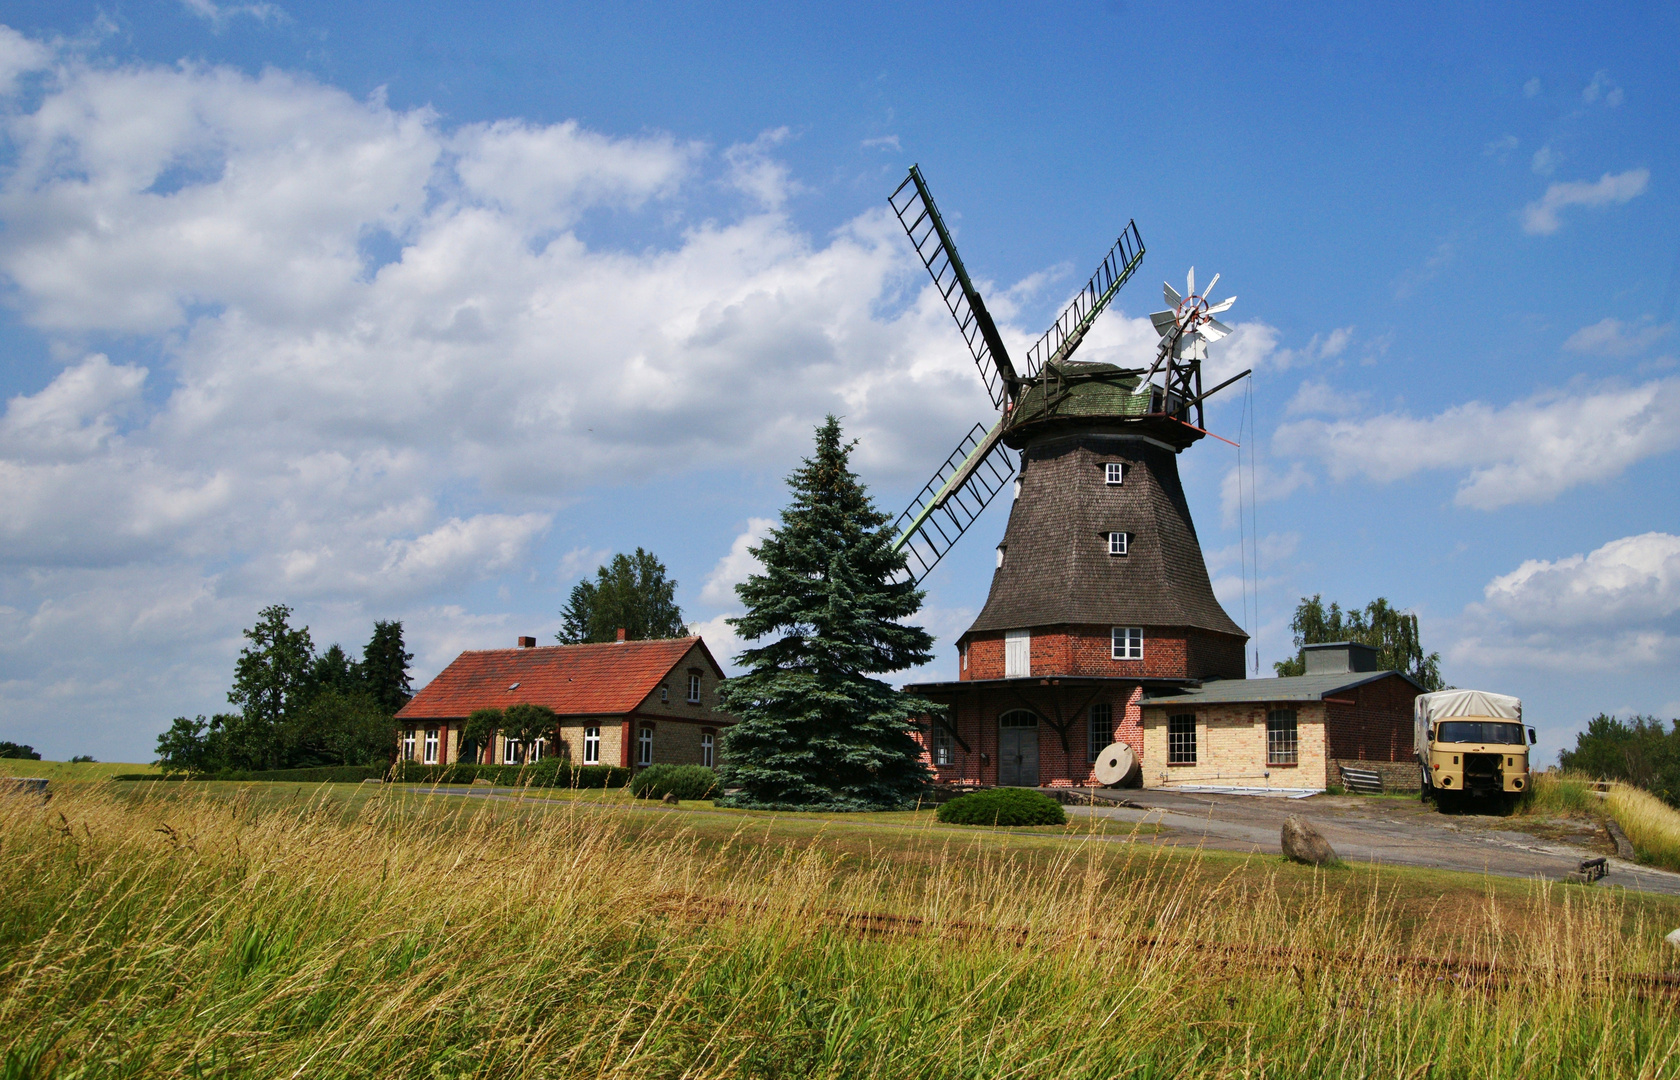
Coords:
pixel 553 772
pixel 683 781
pixel 1003 806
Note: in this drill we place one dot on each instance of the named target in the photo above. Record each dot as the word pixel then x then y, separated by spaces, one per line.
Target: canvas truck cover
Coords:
pixel 1442 704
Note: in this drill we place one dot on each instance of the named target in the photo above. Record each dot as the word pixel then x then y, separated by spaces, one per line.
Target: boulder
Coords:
pixel 1303 843
pixel 670 798
pixel 1673 938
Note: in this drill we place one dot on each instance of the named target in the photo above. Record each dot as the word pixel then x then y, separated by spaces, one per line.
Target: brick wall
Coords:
pixel 1168 653
pixel 1372 722
pixel 976 715
pixel 1396 775
pixel 1231 748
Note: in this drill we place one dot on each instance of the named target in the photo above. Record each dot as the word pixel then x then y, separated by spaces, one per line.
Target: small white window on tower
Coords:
pixel 1117 543
pixel 1128 643
pixel 1115 472
pixel 1000 556
pixel 1017 487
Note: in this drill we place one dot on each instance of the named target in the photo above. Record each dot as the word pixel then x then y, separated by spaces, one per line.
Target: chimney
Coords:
pixel 621 635
pixel 1340 658
pixel 527 642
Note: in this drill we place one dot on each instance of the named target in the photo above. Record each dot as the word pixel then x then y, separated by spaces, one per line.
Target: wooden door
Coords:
pixel 1018 750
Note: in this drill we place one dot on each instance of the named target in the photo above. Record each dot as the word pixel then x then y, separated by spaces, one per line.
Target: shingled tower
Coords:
pixel 1100 589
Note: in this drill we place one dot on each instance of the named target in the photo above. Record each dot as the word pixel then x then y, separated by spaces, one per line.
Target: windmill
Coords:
pixel 1100 592
pixel 1050 389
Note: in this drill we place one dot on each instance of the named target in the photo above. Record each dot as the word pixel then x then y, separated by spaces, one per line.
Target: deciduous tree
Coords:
pixel 630 593
pixel 1394 634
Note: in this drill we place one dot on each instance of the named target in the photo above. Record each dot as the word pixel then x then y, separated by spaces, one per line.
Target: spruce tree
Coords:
pixel 814 731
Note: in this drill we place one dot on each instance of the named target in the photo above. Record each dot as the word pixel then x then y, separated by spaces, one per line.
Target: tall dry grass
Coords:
pixel 193 936
pixel 1652 826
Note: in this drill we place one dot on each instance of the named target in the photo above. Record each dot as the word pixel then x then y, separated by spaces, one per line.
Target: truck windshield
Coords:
pixel 1478 731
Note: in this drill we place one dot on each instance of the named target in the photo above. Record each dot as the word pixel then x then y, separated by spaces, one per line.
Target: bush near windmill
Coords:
pixel 816 731
pixel 1003 806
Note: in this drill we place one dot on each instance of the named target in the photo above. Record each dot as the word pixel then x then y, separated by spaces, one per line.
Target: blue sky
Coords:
pixel 419 311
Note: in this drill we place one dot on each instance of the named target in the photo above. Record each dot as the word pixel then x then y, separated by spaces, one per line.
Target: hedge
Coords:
pixel 551 773
pixel 1003 806
pixel 683 781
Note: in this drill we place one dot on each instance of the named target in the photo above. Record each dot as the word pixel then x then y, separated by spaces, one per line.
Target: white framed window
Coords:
pixel 1128 643
pixel 664 695
pixel 693 689
pixel 1000 550
pixel 944 747
pixel 1117 543
pixel 592 746
pixel 408 746
pixel 644 745
pixel 1282 738
pixel 510 752
pixel 708 748
pixel 431 746
pixel 1101 730
pixel 1114 473
pixel 537 750
pixel 1017 654
pixel 1181 739
pixel 965 656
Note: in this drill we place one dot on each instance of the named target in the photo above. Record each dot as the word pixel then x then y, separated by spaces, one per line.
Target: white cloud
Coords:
pixel 1614 609
pixel 1527 452
pixel 380 358
pixel 881 142
pixel 1612 337
pixel 1602 88
pixel 74 415
pixel 1634 581
pixel 754 171
pixel 1500 147
pixel 721 639
pixel 18 57
pixel 1531 88
pixel 1545 160
pixel 1541 216
pixel 1268 485
pixel 1314 398
pixel 738 565
pixel 220 15
pixel 581 561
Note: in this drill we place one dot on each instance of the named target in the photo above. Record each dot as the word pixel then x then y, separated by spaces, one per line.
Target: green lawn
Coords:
pixel 65 772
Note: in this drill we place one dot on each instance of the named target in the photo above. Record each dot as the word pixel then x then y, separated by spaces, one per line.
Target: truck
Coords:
pixel 1471 744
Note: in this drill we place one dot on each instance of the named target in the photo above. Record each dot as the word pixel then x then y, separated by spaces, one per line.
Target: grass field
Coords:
pixel 365 930
pixel 68 772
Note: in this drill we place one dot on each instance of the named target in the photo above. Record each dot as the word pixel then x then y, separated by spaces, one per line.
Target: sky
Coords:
pixel 421 311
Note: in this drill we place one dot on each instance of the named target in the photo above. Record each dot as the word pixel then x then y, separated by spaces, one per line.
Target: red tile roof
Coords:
pixel 576 680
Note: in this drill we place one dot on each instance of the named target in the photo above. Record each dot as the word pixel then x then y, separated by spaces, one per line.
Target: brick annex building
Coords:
pixel 1101 626
pixel 629 703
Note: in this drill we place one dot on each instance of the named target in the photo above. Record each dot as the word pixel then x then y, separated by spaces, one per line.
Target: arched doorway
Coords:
pixel 1018 749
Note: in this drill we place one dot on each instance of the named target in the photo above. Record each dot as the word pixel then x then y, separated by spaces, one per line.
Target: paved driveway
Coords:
pixel 1404 832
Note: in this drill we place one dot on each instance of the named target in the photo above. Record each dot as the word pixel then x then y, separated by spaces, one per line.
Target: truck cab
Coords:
pixel 1472 743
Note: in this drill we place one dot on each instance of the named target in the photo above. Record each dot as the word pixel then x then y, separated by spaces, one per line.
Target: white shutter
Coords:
pixel 1017 654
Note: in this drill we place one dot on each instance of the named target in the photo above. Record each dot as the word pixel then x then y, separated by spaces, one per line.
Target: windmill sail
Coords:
pixel 950 502
pixel 926 229
pixel 1067 332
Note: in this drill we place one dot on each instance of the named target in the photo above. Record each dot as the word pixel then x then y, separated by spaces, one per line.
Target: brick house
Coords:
pixel 1289 733
pixel 629 703
pixel 1100 597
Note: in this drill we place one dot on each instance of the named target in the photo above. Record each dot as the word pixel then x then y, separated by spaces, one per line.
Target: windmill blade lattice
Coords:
pixel 949 503
pixel 1067 332
pixel 920 217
